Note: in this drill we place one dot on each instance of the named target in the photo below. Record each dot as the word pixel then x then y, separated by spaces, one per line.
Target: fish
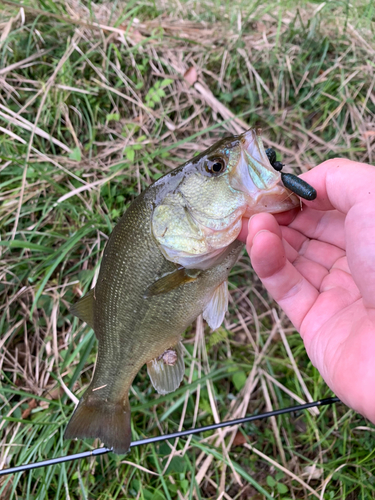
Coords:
pixel 166 262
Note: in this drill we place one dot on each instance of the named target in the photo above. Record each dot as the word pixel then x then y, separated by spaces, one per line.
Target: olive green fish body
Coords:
pixel 131 329
pixel 166 262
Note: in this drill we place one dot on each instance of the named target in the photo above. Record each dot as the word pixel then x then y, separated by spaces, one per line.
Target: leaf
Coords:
pixel 281 488
pixel 178 464
pixel 165 82
pixel 216 337
pixel 113 116
pixel 239 439
pixel 239 380
pixel 158 495
pixel 191 75
pixel 75 154
pixel 271 482
pixel 130 154
pixel 184 484
pixel 26 413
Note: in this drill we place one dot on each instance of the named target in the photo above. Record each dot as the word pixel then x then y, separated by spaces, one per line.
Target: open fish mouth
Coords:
pixel 258 180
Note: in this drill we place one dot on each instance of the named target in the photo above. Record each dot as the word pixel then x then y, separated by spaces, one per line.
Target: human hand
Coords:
pixel 320 268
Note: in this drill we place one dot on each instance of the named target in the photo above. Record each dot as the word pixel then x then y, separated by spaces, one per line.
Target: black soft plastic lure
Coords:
pixel 298 186
pixel 291 181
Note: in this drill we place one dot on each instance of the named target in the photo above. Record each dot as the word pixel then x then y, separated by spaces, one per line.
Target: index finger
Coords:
pixel 340 184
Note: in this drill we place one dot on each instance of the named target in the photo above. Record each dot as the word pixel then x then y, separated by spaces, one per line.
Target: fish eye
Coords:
pixel 215 166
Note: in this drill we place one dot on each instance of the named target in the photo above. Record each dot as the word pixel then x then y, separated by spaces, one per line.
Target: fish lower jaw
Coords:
pixel 200 261
pixel 276 200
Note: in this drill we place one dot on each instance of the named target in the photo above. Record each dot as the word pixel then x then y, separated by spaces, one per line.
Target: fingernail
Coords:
pixel 256 234
pixel 248 223
pixel 261 231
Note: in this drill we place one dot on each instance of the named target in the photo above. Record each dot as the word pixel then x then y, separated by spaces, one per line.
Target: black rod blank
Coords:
pixel 165 437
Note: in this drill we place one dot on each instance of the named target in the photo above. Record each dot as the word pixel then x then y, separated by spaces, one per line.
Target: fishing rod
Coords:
pixel 166 437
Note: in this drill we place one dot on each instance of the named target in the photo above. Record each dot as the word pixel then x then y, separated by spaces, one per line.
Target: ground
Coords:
pixel 96 102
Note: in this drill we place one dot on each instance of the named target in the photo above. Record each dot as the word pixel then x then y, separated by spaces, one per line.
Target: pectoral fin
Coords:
pixel 167 371
pixel 84 308
pixel 171 281
pixel 217 307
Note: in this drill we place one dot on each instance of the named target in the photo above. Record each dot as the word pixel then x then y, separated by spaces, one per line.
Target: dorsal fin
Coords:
pixel 84 308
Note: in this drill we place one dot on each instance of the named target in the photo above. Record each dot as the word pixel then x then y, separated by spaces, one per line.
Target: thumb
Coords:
pixel 281 279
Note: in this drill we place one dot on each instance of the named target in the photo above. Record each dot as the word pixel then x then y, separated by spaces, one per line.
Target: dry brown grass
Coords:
pixel 306 76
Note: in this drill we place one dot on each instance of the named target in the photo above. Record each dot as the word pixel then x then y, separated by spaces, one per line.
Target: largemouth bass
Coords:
pixel 166 262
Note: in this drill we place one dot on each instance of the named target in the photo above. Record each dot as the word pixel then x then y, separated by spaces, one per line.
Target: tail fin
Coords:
pixel 108 421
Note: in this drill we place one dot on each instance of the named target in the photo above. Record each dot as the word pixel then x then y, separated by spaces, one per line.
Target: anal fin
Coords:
pixel 167 371
pixel 84 308
pixel 217 307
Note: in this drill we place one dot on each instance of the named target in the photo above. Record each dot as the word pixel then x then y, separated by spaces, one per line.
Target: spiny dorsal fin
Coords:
pixel 217 307
pixel 166 377
pixel 84 308
pixel 171 281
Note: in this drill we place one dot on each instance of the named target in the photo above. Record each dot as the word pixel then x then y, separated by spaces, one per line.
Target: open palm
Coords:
pixel 320 268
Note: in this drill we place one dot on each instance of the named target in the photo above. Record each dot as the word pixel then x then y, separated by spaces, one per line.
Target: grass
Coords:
pixel 93 108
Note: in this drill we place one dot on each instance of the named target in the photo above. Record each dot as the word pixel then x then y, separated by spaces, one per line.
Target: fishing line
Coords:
pixel 173 435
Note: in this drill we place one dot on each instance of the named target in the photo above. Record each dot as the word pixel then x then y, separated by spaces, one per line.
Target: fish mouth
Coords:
pixel 258 180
